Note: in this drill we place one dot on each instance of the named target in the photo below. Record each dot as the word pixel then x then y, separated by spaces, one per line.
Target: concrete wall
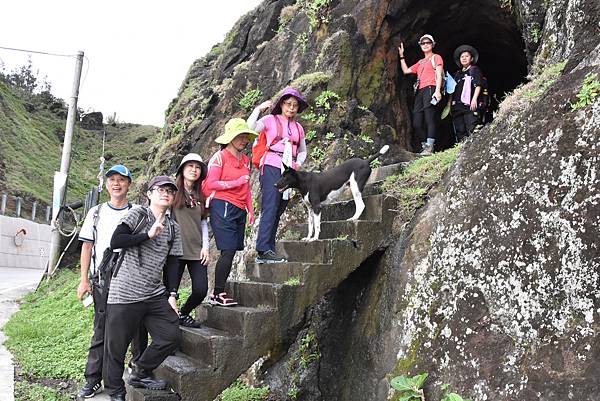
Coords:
pixel 28 251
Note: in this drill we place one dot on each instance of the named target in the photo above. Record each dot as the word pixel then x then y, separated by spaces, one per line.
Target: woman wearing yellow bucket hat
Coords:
pixel 228 193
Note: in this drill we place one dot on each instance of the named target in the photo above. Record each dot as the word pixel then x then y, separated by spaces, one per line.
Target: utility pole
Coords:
pixel 60 178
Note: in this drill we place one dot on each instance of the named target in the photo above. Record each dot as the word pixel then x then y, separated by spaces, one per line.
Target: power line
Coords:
pixel 38 52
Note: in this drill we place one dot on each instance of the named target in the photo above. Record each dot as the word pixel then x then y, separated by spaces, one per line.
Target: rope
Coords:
pixel 38 52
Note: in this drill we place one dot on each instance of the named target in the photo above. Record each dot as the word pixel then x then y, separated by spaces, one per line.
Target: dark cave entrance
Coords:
pixel 483 24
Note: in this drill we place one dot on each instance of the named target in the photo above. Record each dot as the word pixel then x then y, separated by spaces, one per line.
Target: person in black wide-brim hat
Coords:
pixel 464 100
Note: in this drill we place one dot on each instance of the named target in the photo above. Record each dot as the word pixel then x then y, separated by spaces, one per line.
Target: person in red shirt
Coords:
pixel 228 193
pixel 429 91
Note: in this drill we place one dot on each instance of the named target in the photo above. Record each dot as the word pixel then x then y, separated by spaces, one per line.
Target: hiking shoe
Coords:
pixel 90 390
pixel 221 300
pixel 427 150
pixel 142 379
pixel 269 257
pixel 188 321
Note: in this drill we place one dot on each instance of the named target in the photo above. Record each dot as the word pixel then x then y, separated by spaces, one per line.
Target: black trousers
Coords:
pixel 93 368
pixel 122 321
pixel 464 121
pixel 199 276
pixel 425 115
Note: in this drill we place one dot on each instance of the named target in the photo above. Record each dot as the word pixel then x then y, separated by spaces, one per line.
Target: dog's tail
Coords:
pixel 382 151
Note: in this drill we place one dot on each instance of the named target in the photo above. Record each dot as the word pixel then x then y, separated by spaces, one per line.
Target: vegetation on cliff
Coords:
pixel 32 125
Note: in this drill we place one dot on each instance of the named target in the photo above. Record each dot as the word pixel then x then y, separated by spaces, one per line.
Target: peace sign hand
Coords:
pixel 158 226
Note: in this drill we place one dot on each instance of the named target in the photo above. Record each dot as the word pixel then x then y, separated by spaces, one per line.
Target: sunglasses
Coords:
pixel 425 43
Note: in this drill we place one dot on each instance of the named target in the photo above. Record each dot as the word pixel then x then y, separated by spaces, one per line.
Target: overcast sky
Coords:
pixel 138 51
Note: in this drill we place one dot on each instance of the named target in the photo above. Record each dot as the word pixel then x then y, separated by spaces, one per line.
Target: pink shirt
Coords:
pixel 289 129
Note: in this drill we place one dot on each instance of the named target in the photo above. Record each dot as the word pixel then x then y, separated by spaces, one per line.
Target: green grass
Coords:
pixel 34 392
pixel 32 145
pixel 238 391
pixel 413 184
pixel 292 281
pixel 50 334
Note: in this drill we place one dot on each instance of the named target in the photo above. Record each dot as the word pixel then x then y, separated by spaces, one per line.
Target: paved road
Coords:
pixel 14 283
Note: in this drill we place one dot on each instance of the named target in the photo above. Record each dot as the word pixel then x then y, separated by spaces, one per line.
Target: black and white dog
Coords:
pixel 322 188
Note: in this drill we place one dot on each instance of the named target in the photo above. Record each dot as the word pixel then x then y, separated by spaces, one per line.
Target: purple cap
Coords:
pixel 289 91
pixel 161 180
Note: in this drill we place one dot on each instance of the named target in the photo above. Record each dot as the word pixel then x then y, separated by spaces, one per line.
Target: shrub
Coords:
pixel 590 89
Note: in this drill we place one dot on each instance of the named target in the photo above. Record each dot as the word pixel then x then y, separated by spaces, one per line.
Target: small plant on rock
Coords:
pixel 324 99
pixel 410 388
pixel 292 281
pixel 588 93
pixel 310 135
pixel 448 396
pixel 376 163
pixel 249 98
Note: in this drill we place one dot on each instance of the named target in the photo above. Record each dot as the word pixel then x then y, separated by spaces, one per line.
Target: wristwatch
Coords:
pixel 174 295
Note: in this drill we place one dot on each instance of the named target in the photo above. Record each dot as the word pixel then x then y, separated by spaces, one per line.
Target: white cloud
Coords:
pixel 138 52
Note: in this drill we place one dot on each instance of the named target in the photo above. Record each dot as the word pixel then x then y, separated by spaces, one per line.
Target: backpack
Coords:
pixel 96 218
pixel 484 101
pixel 260 147
pixel 445 76
pixel 111 260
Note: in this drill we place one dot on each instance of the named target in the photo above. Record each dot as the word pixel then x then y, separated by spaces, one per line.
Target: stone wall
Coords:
pixel 26 249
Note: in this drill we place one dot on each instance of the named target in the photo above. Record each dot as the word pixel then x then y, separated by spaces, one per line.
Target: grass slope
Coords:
pixel 31 147
pixel 50 334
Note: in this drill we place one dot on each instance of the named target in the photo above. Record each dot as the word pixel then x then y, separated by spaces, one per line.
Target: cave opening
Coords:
pixel 483 24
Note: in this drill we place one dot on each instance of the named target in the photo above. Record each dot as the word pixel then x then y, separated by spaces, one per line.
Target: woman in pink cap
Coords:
pixel 429 91
pixel 285 145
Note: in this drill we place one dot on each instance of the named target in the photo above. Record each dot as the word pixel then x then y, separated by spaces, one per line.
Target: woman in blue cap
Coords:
pixel 285 145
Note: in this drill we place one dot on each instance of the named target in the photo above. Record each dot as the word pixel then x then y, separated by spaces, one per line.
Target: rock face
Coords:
pixel 348 48
pixel 494 287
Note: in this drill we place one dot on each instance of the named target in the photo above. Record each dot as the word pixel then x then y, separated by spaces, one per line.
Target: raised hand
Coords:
pixel 401 49
pixel 265 105
pixel 158 226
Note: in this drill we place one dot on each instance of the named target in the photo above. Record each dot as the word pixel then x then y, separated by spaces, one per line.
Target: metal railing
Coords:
pixel 15 206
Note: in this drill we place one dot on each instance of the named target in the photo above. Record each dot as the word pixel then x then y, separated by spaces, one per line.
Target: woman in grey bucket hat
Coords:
pixel 189 211
pixel 285 145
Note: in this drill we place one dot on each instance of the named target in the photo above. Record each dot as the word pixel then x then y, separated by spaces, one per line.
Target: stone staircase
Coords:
pixel 273 302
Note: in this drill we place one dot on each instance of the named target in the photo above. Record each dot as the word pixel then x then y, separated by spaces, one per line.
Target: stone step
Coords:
pixel 246 322
pixel 191 380
pixel 345 209
pixel 207 345
pixel 138 394
pixel 381 173
pixel 275 272
pixel 342 230
pixel 253 293
pixel 318 251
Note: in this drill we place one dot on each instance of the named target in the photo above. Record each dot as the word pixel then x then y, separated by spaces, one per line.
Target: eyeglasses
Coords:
pixel 425 43
pixel 291 105
pixel 164 190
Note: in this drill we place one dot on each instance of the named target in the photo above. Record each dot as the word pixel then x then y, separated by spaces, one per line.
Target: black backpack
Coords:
pixel 484 101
